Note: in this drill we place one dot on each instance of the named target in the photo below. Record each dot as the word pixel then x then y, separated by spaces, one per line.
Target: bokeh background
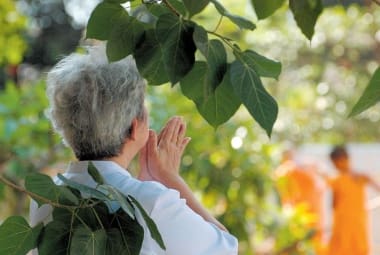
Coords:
pixel 230 168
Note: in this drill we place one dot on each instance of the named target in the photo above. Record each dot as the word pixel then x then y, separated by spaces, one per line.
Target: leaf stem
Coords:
pixel 219 22
pixel 170 7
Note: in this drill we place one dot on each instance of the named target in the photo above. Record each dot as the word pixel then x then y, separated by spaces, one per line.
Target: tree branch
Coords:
pixel 34 196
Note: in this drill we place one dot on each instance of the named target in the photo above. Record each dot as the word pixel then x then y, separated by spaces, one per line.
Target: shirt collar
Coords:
pixel 104 167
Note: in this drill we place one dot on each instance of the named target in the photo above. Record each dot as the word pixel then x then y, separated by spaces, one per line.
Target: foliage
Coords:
pixel 371 95
pixel 81 224
pixel 12 25
pixel 164 40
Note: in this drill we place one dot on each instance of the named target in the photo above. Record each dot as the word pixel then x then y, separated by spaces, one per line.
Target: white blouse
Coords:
pixel 183 231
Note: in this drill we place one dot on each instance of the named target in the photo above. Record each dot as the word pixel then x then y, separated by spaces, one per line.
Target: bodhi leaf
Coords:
pixel 150 60
pixel 222 105
pixel 55 238
pixel 193 83
pixel 248 86
pixel 266 8
pixel 124 37
pixel 174 36
pixel 215 55
pixel 115 242
pixel 130 230
pixel 216 107
pixel 83 188
pixel 87 242
pixel 104 17
pixel 119 197
pixel 178 6
pixel 265 67
pixel 94 173
pixel 195 7
pixel 306 13
pixel 241 22
pixel 17 237
pixel 154 233
pixel 43 186
pixel 370 97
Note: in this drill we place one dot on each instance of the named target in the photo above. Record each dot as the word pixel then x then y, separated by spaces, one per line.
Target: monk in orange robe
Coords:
pixel 350 226
pixel 299 186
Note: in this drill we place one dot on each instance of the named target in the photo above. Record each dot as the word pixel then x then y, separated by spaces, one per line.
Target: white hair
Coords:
pixel 93 102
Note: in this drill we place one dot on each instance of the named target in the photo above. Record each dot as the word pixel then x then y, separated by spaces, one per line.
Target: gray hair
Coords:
pixel 93 102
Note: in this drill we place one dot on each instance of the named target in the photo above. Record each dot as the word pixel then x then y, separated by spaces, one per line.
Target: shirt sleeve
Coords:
pixel 185 232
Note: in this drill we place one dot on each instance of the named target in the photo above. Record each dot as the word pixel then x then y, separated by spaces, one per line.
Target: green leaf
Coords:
pixel 124 37
pixel 222 105
pixel 217 107
pixel 195 7
pixel 249 88
pixel 150 60
pixel 175 38
pixel 94 173
pixel 266 8
pixel 241 22
pixel 118 196
pixel 195 84
pixel 103 18
pixel 87 242
pixel 154 233
pixel 264 67
pixel 158 9
pixel 215 55
pixel 131 232
pixel 62 214
pixel 55 238
pixel 201 40
pixel 178 6
pixel 83 188
pixel 306 13
pixel 371 95
pixel 17 237
pixel 115 242
pixel 42 185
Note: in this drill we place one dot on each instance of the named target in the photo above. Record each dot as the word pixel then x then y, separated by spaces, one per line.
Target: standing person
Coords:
pixel 98 109
pixel 299 185
pixel 350 226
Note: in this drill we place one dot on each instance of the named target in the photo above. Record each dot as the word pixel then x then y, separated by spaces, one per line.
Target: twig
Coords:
pixel 170 7
pixel 226 40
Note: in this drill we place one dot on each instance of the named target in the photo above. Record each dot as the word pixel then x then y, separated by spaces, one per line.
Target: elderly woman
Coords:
pixel 98 109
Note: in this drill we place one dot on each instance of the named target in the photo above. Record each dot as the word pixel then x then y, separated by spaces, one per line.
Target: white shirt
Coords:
pixel 183 231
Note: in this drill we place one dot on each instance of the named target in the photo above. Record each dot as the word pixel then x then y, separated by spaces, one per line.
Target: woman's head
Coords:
pixel 93 102
pixel 340 159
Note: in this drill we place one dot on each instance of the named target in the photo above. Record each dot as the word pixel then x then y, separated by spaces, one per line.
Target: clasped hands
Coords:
pixel 160 158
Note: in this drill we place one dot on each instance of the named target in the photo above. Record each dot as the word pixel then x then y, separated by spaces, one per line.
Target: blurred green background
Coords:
pixel 230 168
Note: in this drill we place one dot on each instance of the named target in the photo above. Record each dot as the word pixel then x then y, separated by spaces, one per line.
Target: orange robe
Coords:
pixel 304 187
pixel 350 229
